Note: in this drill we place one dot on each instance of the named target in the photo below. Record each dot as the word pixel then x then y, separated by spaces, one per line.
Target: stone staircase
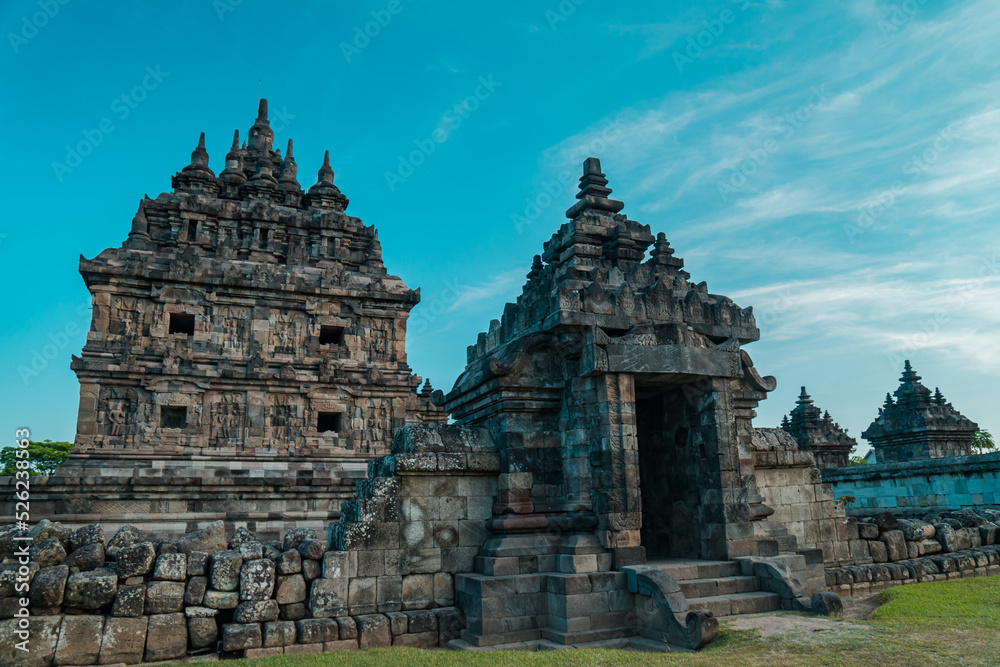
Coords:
pixel 718 586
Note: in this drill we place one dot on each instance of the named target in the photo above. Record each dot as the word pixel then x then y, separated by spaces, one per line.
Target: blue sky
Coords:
pixel 834 165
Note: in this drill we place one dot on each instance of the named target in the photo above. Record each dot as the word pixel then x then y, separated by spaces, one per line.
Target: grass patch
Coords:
pixel 945 623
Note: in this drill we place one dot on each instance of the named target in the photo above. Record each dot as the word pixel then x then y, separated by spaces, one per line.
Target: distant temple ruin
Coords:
pixel 917 424
pixel 815 431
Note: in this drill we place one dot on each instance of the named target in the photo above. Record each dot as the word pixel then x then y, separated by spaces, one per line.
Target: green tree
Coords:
pixel 854 459
pixel 43 457
pixel 983 443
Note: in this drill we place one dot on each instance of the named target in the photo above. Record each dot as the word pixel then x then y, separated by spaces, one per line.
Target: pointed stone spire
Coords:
pixel 804 398
pixel 234 162
pixel 938 396
pixel 261 135
pixel 375 250
pixel 662 255
pixel 909 375
pixel 289 170
pixel 324 193
pixel 140 226
pixel 427 389
pixel 199 160
pixel 785 424
pixel 594 191
pixel 536 267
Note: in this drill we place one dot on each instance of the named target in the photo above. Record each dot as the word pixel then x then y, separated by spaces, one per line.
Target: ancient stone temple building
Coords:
pixel 917 424
pixel 247 351
pixel 815 431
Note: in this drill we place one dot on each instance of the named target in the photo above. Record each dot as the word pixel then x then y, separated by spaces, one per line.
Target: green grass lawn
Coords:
pixel 946 623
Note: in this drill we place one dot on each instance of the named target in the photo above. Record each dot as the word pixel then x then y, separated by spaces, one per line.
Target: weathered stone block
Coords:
pixel 425 620
pixel 164 597
pixel 241 536
pixel 166 637
pixel 90 590
pixel 47 552
pixel 895 544
pixel 124 640
pixel 423 640
pixel 241 636
pixel 290 588
pixel 329 597
pixel 398 622
pixel 293 612
pixel 197 565
pixel 203 632
pixel 878 551
pixel 316 630
pixel 194 592
pixel 868 531
pixel 361 594
pixel 373 631
pixel 418 591
pixel 312 549
pixel 348 628
pixel 257 579
pixel 290 562
pixel 946 537
pixel 135 560
pixel 86 558
pixel 42 647
pixel 79 640
pixel 295 536
pixel 125 537
pixel 256 611
pixel 221 599
pixel 171 567
pixel 49 586
pixel 130 601
pixel 209 539
pixel 86 536
pixel 251 551
pixel 225 570
pixel 278 633
pixel 311 569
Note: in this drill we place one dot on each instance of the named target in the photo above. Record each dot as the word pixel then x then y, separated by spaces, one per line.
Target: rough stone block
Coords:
pixel 895 544
pixel 348 629
pixel 296 536
pixel 221 599
pixel 312 549
pixel 241 636
pixel 878 551
pixel 293 612
pixel 44 638
pixel 279 633
pixel 398 622
pixel 257 579
pixel 166 637
pixel 424 620
pixel 202 632
pixel 79 640
pixel 47 552
pixel 317 630
pixel 311 569
pixel 290 588
pixel 329 598
pixel 290 562
pixel 225 570
pixel 868 531
pixel 124 640
pixel 164 597
pixel 209 539
pixel 86 558
pixel 49 586
pixel 90 590
pixel 130 601
pixel 256 611
pixel 135 560
pixel 86 536
pixel 194 592
pixel 171 567
pixel 373 631
pixel 361 594
pixel 418 591
pixel 197 565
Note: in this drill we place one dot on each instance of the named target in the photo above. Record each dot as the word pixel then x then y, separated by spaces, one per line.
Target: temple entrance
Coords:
pixel 670 468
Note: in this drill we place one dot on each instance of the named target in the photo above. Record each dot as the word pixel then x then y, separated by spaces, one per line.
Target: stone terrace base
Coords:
pixel 862 580
pixel 619 644
pixel 172 497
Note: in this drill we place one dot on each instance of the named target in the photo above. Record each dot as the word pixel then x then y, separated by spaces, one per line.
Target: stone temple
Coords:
pixel 916 424
pixel 815 431
pixel 246 356
pixel 600 483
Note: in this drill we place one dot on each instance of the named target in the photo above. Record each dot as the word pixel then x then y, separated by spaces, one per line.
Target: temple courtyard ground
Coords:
pixel 944 623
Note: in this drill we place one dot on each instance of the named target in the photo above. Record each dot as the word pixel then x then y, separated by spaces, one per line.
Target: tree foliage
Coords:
pixel 42 457
pixel 983 443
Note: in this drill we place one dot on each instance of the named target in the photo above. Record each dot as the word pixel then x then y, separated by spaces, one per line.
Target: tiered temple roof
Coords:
pixel 816 432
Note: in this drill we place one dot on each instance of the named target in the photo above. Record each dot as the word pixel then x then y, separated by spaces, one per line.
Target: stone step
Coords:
pixel 787 543
pixel 686 569
pixel 756 602
pixel 704 588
